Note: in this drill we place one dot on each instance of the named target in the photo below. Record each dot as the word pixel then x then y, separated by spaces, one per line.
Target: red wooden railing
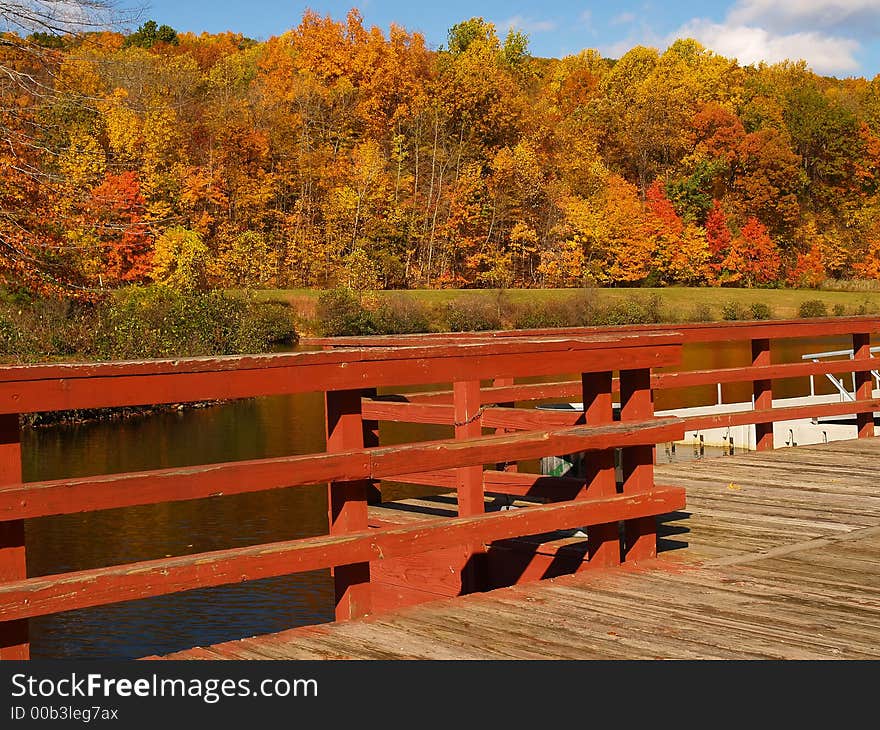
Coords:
pixel 353 464
pixel 432 407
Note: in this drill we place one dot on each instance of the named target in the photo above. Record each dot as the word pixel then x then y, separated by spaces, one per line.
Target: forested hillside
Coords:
pixel 336 154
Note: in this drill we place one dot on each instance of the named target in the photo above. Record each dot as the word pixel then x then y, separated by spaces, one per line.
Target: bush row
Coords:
pixel 141 322
pixel 344 312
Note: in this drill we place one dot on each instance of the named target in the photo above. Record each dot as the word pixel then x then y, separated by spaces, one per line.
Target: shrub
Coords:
pixel 340 312
pixel 262 325
pixel 471 314
pixel 700 313
pixel 812 308
pixel 142 322
pixel 850 285
pixel 760 310
pixel 401 315
pixel 732 310
pixel 839 310
pixel 541 315
pixel 44 328
pixel 631 310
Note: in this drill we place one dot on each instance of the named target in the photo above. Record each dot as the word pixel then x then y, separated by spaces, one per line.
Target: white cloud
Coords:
pixel 622 19
pixel 586 17
pixel 854 16
pixel 528 25
pixel 751 44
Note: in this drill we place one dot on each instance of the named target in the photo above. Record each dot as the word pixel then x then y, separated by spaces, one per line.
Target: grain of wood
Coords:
pixel 782 561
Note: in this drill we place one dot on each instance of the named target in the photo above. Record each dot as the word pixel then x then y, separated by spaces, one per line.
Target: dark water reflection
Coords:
pixel 244 430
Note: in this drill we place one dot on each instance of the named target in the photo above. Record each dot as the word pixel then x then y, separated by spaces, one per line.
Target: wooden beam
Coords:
pixel 13 566
pixel 779 371
pixel 405 412
pixel 789 413
pixel 428 456
pixel 571 389
pixel 469 479
pixel 86 494
pixel 51 594
pixel 51 388
pixel 762 389
pixel 640 539
pixel 514 484
pixel 603 540
pixel 347 502
pixel 504 383
pixel 863 386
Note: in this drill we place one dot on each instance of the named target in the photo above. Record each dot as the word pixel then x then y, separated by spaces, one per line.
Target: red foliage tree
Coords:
pixel 118 208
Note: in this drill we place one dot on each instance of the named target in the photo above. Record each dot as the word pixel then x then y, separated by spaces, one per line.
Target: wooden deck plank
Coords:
pixel 780 559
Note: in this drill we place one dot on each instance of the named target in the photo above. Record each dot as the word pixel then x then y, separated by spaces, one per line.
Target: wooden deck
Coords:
pixel 777 556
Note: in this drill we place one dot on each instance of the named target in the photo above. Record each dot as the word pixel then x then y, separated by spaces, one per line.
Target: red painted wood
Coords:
pixel 529 419
pixel 780 371
pixel 469 363
pixel 467 427
pixel 500 394
pixel 659 381
pixel 504 383
pixel 13 566
pixel 85 494
pixel 640 536
pixel 604 540
pixel 403 412
pixel 469 479
pixel 389 597
pixel 515 484
pixel 347 502
pixel 763 394
pixel 429 456
pixel 864 388
pixel 438 572
pixel 744 418
pixel 517 561
pixel 99 586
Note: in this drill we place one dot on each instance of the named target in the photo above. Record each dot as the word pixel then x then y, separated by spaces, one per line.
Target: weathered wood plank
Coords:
pixel 50 594
pixel 65 496
pixel 13 634
pixel 26 389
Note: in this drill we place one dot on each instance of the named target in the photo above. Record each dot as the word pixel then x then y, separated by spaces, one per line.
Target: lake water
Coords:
pixel 262 427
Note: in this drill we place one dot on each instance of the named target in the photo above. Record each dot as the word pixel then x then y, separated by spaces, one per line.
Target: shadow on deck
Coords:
pixel 777 556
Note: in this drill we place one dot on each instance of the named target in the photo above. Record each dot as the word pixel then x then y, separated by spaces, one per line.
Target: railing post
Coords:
pixel 498 383
pixel 469 479
pixel 763 395
pixel 636 403
pixel 13 634
pixel 603 540
pixel 347 501
pixel 862 351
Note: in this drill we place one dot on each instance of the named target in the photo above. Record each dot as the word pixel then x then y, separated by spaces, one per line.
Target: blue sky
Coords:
pixel 836 37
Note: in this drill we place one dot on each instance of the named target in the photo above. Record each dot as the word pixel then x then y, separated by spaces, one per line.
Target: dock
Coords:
pixel 769 554
pixel 776 557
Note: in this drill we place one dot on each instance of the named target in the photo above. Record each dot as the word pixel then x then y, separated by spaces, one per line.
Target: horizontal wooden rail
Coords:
pixel 52 594
pixel 691 378
pixel 354 464
pixel 659 381
pixel 789 413
pixel 28 389
pixel 65 496
pixel 513 483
